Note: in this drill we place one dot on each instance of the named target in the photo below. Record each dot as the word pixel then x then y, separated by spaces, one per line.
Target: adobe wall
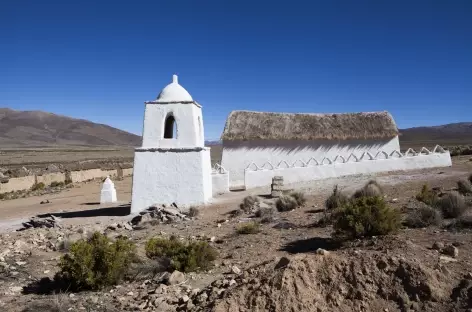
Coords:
pixel 17 184
pixel 24 183
pixel 48 178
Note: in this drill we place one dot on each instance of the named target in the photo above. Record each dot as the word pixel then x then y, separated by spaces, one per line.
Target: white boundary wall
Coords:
pixel 220 180
pixel 300 171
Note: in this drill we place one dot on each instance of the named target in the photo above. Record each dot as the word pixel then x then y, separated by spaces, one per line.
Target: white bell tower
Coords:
pixel 173 165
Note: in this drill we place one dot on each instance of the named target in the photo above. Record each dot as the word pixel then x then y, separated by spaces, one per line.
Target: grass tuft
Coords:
pixel 248 228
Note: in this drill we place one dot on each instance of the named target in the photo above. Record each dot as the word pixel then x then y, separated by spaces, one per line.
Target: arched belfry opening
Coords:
pixel 170 128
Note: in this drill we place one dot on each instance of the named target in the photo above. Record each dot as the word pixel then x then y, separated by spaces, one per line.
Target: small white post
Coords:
pixel 108 192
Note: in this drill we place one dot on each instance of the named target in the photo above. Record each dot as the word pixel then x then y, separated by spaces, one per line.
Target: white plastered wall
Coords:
pixel 166 176
pixel 220 183
pixel 237 155
pixel 259 178
pixel 188 118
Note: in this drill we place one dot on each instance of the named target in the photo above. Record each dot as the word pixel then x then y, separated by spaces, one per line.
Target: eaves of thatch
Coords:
pixel 249 126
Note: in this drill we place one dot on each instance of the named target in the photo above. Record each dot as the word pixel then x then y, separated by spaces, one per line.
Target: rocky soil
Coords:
pixel 291 264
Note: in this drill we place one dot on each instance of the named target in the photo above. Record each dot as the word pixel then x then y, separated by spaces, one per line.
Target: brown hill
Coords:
pixel 447 135
pixel 38 129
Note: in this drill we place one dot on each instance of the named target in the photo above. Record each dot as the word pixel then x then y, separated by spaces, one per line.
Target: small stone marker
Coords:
pixel 108 193
pixel 277 186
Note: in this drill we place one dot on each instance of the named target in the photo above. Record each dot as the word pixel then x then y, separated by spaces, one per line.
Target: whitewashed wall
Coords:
pixel 237 155
pixel 166 176
pixel 220 180
pixel 256 177
pixel 188 119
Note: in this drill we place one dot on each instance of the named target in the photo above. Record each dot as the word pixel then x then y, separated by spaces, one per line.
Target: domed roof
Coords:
pixel 174 92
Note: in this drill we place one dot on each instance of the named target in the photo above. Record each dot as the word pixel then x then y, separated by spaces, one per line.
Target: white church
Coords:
pixel 173 166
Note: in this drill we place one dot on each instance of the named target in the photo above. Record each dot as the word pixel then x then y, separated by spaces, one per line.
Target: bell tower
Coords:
pixel 172 165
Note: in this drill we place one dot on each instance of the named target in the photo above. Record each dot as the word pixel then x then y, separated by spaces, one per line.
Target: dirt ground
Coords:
pixel 395 273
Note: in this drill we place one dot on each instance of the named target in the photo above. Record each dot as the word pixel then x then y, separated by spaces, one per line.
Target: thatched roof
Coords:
pixel 247 126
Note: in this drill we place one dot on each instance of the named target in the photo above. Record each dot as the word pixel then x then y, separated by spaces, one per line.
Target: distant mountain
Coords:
pixel 454 133
pixel 37 128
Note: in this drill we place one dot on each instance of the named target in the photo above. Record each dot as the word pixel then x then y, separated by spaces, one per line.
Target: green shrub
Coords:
pixel 365 216
pixel 267 214
pixel 452 205
pixel 427 196
pixel 371 189
pixel 248 228
pixel 97 262
pixel 464 187
pixel 286 203
pixel 184 256
pixel 336 199
pixel 249 204
pixel 57 184
pixel 423 217
pixel 38 186
pixel 299 197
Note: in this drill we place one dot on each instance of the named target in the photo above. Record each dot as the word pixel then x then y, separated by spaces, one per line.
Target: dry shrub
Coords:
pixel 148 270
pixel 463 222
pixel 286 203
pixel 464 187
pixel 299 197
pixel 38 186
pixel 423 217
pixel 183 256
pixel 452 205
pixel 336 199
pixel 365 216
pixel 427 196
pixel 248 228
pixel 267 214
pixel 96 263
pixel 327 218
pixel 371 189
pixel 193 212
pixel 57 184
pixel 249 204
pixel 58 303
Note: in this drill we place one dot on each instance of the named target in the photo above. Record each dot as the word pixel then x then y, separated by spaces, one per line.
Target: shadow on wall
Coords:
pixel 122 210
pixel 316 146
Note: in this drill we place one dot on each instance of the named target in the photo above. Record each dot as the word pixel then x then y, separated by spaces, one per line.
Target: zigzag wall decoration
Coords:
pixel 366 156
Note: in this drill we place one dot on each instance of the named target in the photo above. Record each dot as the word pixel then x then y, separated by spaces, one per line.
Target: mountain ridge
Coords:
pixel 36 128
pixel 39 128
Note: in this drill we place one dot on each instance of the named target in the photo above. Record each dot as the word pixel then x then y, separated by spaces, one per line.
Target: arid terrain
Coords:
pixel 290 264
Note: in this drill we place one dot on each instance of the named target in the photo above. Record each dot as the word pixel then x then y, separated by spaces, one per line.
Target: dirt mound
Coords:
pixel 331 283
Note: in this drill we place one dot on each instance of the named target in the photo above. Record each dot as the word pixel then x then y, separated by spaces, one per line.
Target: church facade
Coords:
pixel 172 165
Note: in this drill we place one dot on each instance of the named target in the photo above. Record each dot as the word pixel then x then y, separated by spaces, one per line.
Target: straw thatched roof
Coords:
pixel 247 126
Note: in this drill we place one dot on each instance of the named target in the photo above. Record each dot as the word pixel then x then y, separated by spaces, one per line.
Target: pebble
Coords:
pixel 235 270
pixel 321 251
pixel 451 251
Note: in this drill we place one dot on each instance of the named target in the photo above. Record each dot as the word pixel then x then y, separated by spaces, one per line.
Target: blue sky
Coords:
pixel 100 60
